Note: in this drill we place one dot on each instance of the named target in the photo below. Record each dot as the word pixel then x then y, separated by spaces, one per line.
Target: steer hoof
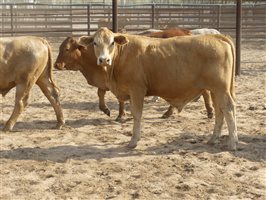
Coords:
pixel 6 129
pixel 132 145
pixel 107 111
pixel 165 116
pixel 59 125
pixel 168 113
pixel 212 140
pixel 232 145
pixel 119 119
pixel 210 115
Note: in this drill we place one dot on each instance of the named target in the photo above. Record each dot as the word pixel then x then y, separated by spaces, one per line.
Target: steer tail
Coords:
pixel 233 67
pixel 50 65
pixel 229 40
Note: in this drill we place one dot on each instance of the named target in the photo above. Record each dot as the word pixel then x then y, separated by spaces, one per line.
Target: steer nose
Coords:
pixel 104 61
pixel 59 66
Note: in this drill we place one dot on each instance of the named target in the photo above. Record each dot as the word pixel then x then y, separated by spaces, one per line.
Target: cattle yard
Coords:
pixel 88 158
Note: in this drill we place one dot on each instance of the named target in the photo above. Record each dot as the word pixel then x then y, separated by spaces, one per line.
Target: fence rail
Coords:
pixel 79 19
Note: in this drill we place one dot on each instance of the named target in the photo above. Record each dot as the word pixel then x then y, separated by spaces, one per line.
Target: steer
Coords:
pixel 184 66
pixel 204 31
pixel 25 61
pixel 73 55
pixel 172 32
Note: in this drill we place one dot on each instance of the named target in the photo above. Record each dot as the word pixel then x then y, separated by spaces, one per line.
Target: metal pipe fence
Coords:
pixel 51 20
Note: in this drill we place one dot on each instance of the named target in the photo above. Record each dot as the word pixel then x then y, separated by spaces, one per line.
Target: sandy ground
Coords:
pixel 87 159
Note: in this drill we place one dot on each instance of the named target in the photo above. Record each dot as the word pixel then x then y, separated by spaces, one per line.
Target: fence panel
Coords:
pixel 81 19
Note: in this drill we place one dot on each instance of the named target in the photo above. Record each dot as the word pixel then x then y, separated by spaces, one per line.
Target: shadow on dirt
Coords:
pixel 40 125
pixel 252 148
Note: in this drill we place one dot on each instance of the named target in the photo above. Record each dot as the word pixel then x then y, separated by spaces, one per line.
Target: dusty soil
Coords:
pixel 87 159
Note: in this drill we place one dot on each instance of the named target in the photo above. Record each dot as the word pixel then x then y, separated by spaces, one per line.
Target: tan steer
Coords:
pixel 184 66
pixel 25 61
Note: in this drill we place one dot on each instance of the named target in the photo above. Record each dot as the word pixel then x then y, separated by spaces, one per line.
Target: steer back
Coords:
pixel 170 33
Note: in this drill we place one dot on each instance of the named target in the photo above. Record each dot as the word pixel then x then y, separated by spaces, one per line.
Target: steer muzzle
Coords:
pixel 59 66
pixel 104 61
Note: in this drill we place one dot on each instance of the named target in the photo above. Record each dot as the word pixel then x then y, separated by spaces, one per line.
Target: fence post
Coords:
pixel 89 19
pixel 219 17
pixel 11 20
pixel 238 35
pixel 115 27
pixel 152 15
pixel 71 17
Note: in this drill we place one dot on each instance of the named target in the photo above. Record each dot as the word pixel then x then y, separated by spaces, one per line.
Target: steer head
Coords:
pixel 105 43
pixel 69 53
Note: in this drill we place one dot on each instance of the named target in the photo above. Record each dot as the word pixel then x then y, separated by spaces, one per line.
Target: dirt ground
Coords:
pixel 87 159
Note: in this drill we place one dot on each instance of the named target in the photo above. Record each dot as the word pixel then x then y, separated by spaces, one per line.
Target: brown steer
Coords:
pixel 73 55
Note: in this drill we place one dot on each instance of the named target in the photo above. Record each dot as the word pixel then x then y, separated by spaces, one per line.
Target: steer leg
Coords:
pixel 230 118
pixel 208 103
pixel 219 119
pixel 26 100
pixel 121 111
pixel 21 101
pixel 136 106
pixel 102 105
pixel 169 112
pixel 225 107
pixel 52 95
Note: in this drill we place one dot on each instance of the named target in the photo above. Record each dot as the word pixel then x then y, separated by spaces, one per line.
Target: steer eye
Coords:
pixel 67 49
pixel 94 43
pixel 113 43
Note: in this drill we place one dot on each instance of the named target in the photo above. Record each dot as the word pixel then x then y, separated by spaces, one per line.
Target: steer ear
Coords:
pixel 85 40
pixel 121 40
pixel 81 47
pixel 77 45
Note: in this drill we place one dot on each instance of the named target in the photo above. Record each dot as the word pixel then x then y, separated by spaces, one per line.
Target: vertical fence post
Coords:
pixel 71 17
pixel 219 17
pixel 152 15
pixel 89 19
pixel 11 20
pixel 115 27
pixel 238 35
pixel 46 25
